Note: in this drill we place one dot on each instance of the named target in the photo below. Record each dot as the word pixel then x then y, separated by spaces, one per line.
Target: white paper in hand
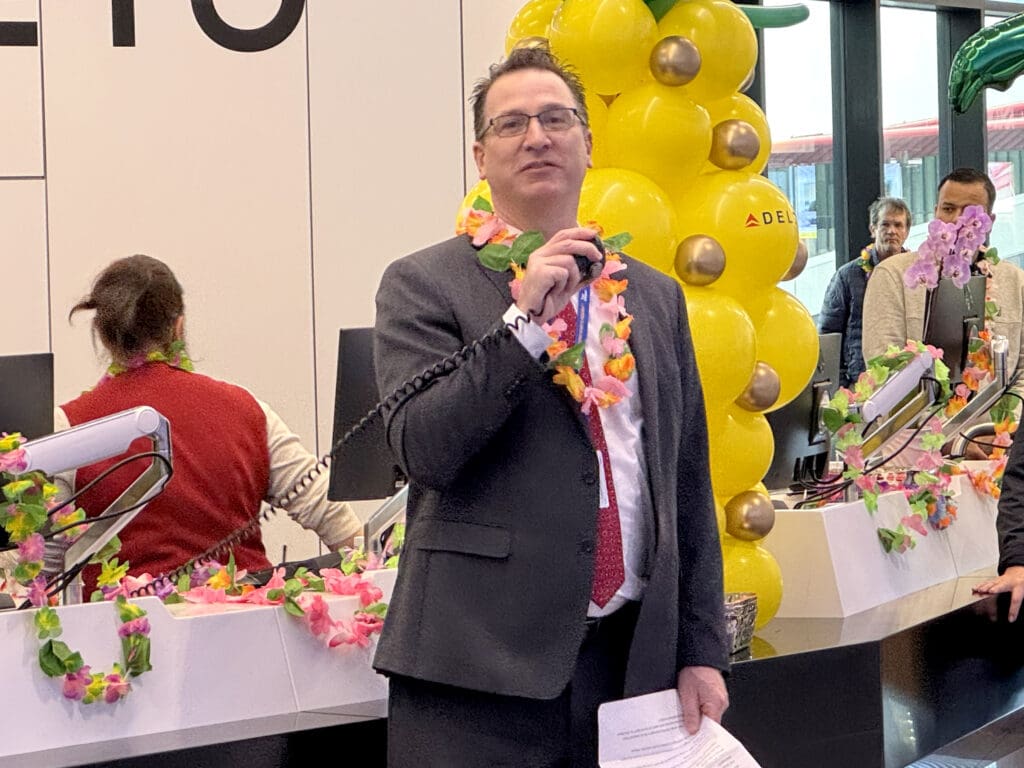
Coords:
pixel 647 732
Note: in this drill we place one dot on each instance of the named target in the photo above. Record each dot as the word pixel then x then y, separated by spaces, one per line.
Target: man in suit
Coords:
pixel 561 548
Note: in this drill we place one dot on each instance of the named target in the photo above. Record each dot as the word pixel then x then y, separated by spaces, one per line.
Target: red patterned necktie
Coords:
pixel 609 570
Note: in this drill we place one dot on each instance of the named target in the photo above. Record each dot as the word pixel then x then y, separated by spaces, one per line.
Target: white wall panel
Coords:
pixel 23 267
pixel 387 160
pixel 21 135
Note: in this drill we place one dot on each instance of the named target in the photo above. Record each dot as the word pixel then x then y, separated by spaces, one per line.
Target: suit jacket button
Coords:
pixel 586 548
pixel 589 478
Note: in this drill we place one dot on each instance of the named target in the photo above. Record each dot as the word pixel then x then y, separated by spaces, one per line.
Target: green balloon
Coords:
pixel 660 7
pixel 990 58
pixel 761 17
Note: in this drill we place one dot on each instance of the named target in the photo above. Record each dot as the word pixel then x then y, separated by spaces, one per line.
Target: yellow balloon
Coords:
pixel 597 121
pixel 624 201
pixel 787 339
pixel 741 448
pixel 748 567
pixel 606 41
pixel 750 218
pixel 720 514
pixel 725 346
pixel 726 41
pixel 660 132
pixel 480 189
pixel 532 20
pixel 739 107
pixel 761 488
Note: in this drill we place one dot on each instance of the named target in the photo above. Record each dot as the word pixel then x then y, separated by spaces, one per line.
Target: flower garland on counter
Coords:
pixel 30 503
pixel 502 247
pixel 926 483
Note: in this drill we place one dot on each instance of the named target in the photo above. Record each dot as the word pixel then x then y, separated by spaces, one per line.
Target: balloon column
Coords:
pixel 678 150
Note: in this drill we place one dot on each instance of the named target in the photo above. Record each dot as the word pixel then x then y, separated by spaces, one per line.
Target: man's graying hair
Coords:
pixel 883 204
pixel 525 58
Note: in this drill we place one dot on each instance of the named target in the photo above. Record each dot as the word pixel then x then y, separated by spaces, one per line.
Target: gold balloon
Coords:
pixel 674 60
pixel 762 391
pixel 534 41
pixel 699 260
pixel 749 516
pixel 799 261
pixel 734 144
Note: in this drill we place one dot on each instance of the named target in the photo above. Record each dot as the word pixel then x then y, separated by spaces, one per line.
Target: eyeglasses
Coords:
pixel 516 123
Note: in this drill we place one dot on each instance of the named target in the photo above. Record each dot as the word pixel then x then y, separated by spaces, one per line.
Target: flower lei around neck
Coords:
pixel 174 355
pixel 501 247
pixel 865 261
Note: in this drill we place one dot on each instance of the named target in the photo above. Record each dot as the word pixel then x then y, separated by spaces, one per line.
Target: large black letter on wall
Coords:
pixel 122 22
pixel 248 40
pixel 19 33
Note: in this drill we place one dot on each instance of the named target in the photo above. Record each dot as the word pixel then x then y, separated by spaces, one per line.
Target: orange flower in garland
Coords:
pixel 502 248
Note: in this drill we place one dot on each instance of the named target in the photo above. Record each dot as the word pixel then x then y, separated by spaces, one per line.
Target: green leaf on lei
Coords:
pixel 293 607
pixel 991 310
pixel 525 244
pixel 25 572
pixel 572 357
pixel 108 551
pixel 55 658
pixel 840 402
pixel 871 501
pixel 616 243
pixel 377 609
pixel 832 419
pixel 495 256
pixel 481 204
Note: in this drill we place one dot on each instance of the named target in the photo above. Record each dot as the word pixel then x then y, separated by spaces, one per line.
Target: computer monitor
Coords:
pixel 363 468
pixel 26 394
pixel 801 443
pixel 952 316
pixel 26 398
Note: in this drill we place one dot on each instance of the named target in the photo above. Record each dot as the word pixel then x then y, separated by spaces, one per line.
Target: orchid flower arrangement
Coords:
pixel 950 248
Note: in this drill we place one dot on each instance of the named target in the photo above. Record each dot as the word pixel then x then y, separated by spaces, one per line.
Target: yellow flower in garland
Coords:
pixel 571 380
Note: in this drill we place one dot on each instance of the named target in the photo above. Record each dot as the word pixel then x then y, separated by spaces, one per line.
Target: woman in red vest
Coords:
pixel 230 451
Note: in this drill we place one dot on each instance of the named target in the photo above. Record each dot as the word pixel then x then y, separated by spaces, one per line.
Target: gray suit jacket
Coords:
pixel 494 581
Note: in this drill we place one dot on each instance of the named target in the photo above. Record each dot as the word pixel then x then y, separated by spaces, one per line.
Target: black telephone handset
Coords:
pixel 589 269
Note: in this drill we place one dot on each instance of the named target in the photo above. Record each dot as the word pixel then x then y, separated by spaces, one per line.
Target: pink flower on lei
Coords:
pixel 75 684
pixel 13 462
pixel 116 688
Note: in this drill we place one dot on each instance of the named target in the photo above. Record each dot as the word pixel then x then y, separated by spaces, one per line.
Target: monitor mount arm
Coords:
pixel 94 441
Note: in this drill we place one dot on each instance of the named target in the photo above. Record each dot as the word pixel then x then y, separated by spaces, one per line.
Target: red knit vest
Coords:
pixel 220 458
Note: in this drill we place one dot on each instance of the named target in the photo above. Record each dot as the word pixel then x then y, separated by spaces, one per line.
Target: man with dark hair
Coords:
pixel 894 312
pixel 561 548
pixel 842 309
